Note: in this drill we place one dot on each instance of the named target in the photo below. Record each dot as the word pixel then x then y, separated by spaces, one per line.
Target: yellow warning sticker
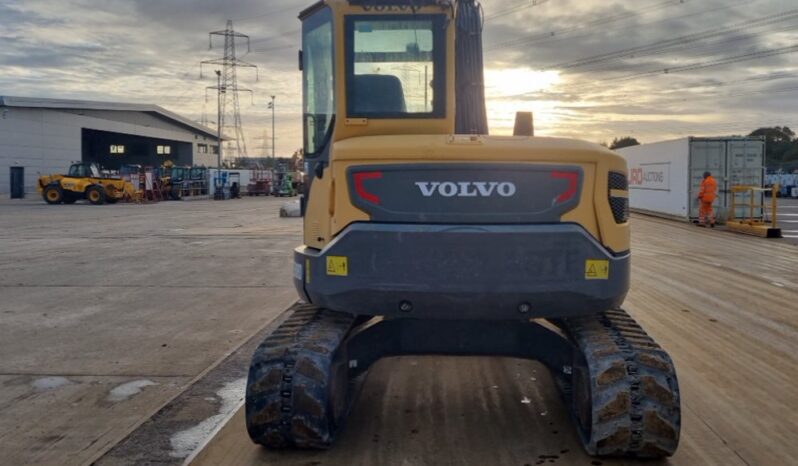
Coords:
pixel 597 270
pixel 338 266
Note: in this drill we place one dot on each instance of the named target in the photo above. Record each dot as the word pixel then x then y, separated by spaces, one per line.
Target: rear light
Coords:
pixel 619 205
pixel 360 188
pixel 573 185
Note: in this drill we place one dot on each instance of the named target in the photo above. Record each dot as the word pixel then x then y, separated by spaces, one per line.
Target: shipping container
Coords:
pixel 665 177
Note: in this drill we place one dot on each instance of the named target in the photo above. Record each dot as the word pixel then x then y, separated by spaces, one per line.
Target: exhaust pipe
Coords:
pixel 524 124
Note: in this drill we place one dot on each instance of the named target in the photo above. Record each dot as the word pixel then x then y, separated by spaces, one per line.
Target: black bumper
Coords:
pixel 463 271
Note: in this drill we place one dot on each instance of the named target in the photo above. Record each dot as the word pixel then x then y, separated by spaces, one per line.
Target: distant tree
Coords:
pixel 780 143
pixel 776 134
pixel 604 143
pixel 620 143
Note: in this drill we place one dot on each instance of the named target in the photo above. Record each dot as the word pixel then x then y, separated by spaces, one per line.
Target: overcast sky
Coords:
pixel 589 69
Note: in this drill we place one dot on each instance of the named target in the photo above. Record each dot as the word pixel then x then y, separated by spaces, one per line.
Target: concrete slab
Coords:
pixel 135 330
pixel 66 420
pixel 101 298
pixel 723 305
pixel 90 295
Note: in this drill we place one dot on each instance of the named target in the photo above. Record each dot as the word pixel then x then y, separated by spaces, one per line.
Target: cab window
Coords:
pixel 318 81
pixel 396 66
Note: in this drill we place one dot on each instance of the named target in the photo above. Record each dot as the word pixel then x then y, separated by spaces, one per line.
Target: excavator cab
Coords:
pixel 425 235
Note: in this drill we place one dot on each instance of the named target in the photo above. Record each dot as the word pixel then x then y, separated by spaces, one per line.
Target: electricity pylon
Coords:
pixel 230 109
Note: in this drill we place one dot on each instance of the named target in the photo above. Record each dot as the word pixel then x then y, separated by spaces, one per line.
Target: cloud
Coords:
pixel 149 51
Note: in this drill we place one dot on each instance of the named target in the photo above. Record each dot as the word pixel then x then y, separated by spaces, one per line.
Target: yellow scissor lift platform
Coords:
pixel 754 224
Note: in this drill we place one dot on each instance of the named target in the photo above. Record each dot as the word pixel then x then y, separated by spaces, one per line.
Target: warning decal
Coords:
pixel 597 270
pixel 338 266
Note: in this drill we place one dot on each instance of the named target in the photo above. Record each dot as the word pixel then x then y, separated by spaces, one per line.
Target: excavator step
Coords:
pixel 296 393
pixel 625 394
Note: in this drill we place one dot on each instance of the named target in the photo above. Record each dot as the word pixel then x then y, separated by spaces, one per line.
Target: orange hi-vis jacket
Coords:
pixel 709 190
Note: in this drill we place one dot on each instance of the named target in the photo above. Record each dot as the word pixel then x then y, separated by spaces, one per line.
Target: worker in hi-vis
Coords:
pixel 706 196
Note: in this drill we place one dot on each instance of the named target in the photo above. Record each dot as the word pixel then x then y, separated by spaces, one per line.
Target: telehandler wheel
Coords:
pixel 96 195
pixel 53 194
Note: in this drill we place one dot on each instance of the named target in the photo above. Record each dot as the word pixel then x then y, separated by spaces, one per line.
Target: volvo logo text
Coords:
pixel 466 188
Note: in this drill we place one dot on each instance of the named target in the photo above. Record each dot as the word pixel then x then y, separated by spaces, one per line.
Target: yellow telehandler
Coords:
pixel 424 235
pixel 84 181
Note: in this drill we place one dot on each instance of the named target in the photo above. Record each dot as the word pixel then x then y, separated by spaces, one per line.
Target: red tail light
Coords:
pixel 573 185
pixel 361 189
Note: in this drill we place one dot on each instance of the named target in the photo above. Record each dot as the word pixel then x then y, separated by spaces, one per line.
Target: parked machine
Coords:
pixel 260 182
pixel 221 187
pixel 422 235
pixel 84 181
pixel 198 183
pixel 175 182
pixel 283 185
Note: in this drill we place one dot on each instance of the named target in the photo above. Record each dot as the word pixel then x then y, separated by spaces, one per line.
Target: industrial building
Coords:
pixel 43 136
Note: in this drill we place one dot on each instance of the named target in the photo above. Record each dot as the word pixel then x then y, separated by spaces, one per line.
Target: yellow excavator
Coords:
pixel 424 235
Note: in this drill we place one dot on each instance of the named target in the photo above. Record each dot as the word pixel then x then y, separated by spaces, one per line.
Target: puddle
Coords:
pixel 50 383
pixel 125 391
pixel 185 442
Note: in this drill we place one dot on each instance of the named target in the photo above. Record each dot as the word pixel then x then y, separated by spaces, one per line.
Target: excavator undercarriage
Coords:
pixel 618 384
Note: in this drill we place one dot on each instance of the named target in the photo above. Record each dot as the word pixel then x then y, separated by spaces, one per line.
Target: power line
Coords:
pixel 550 42
pixel 277 36
pixel 639 51
pixel 268 13
pixel 679 69
pixel 272 49
pixel 694 90
pixel 716 47
pixel 586 25
pixel 523 5
pixel 712 63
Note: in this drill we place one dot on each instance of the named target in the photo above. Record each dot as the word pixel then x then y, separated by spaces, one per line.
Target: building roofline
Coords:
pixel 36 102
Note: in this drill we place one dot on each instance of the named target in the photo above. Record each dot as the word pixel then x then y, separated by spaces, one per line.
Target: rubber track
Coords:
pixel 289 398
pixel 634 389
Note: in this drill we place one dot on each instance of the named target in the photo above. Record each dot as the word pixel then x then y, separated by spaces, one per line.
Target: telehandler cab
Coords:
pixel 424 235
